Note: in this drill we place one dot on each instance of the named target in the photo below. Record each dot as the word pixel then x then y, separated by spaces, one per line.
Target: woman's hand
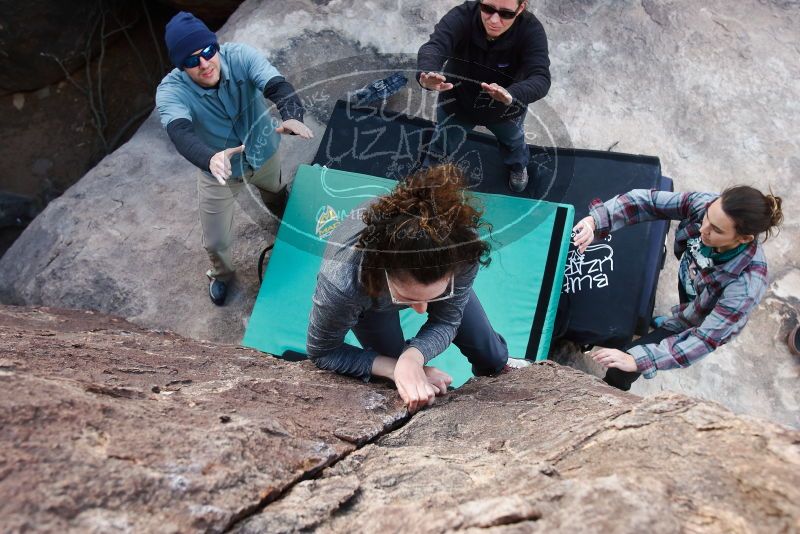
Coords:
pixel 295 127
pixel 615 358
pixel 583 233
pixel 385 367
pixel 438 379
pixel 498 93
pixel 433 81
pixel 412 382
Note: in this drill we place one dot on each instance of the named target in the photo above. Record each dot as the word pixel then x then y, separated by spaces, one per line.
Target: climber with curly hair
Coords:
pixel 417 247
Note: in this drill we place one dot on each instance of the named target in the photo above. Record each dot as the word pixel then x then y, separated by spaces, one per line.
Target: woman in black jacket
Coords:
pixel 488 60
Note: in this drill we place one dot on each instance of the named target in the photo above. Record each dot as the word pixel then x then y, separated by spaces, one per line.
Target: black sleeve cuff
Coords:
pixel 285 97
pixel 189 144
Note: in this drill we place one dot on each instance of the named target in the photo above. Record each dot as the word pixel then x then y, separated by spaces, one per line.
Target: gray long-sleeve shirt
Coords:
pixel 340 299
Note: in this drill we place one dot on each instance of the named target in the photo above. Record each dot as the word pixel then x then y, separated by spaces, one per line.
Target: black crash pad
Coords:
pixel 609 291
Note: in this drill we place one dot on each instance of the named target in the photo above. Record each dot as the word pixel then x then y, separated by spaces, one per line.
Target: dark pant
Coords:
pixel 623 379
pixel 485 349
pixel 451 134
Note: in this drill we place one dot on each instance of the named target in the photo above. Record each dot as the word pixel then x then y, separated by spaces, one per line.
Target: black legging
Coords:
pixel 623 379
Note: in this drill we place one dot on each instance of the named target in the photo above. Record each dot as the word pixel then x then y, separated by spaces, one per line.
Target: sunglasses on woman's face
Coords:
pixel 207 53
pixel 505 14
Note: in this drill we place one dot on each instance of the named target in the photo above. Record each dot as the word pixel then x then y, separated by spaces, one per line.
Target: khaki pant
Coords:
pixel 216 204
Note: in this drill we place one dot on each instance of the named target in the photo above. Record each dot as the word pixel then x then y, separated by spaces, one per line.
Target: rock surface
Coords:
pixel 212 13
pixel 708 87
pixel 550 450
pixel 107 427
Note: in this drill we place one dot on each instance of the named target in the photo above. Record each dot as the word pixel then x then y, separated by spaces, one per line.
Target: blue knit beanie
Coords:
pixel 185 35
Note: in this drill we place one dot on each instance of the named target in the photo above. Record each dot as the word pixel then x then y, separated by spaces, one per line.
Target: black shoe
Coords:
pixel 518 180
pixel 217 290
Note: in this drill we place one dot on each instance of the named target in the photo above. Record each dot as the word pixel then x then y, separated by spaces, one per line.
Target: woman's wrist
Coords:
pixel 383 366
pixel 413 354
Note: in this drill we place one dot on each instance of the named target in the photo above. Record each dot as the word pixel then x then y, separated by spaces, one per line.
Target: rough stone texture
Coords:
pixel 706 86
pixel 548 449
pixel 107 427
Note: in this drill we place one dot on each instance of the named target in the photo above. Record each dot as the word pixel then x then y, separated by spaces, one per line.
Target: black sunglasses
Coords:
pixel 505 14
pixel 206 53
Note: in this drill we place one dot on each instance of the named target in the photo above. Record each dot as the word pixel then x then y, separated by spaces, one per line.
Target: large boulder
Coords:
pixel 212 13
pixel 707 87
pixel 106 427
pixel 550 450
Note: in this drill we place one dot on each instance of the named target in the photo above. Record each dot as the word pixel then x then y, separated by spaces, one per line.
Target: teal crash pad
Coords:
pixel 519 290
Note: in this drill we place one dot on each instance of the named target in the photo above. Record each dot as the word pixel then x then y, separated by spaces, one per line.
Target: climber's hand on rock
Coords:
pixel 438 379
pixel 411 381
pixel 613 358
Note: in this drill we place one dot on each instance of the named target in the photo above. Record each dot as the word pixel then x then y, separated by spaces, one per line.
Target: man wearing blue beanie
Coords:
pixel 212 106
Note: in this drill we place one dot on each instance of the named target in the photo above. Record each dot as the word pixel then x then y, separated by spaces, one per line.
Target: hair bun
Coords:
pixel 776 212
pixel 752 212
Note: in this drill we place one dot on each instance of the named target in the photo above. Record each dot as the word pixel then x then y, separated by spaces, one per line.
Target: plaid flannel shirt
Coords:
pixel 726 293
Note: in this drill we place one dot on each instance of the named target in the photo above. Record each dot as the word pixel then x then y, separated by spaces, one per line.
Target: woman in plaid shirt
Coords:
pixel 722 275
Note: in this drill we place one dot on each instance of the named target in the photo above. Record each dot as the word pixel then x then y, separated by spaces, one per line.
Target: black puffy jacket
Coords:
pixel 517 60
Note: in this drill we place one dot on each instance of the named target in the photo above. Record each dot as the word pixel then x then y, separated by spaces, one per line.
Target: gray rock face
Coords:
pixel 708 87
pixel 211 13
pixel 107 427
pixel 549 450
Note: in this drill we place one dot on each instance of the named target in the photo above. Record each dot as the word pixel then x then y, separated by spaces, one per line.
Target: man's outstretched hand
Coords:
pixel 220 164
pixel 433 81
pixel 295 127
pixel 498 93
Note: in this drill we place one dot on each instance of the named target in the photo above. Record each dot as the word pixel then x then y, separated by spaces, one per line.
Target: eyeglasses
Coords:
pixel 207 53
pixel 395 300
pixel 505 14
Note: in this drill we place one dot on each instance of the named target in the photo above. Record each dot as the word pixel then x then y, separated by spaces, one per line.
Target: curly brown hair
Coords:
pixel 426 229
